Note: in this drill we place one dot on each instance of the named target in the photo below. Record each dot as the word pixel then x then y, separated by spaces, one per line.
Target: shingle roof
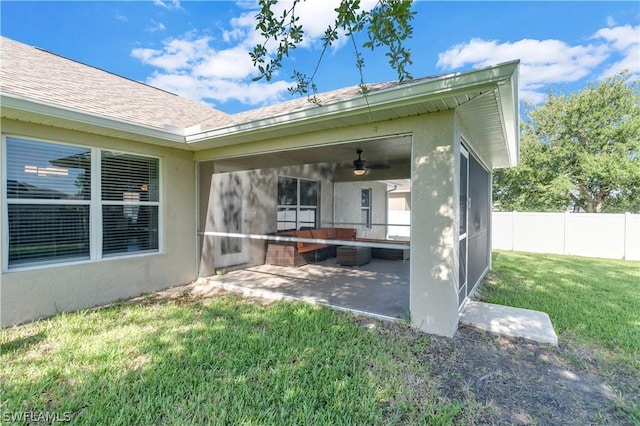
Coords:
pixel 42 76
pixel 303 103
pixel 324 98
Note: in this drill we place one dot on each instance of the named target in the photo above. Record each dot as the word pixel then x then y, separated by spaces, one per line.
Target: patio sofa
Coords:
pixel 297 253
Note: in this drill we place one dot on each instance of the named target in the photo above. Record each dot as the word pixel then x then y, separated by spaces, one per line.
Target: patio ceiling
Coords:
pixel 394 152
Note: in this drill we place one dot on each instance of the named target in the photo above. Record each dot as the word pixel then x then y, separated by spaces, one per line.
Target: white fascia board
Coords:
pixel 405 94
pixel 510 107
pixel 24 105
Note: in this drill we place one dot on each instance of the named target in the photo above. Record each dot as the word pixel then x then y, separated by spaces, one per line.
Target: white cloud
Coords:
pixel 232 63
pixel 545 62
pixel 192 68
pixel 316 16
pixel 219 70
pixel 121 18
pixel 175 54
pixel 219 90
pixel 625 47
pixel 170 5
pixel 155 26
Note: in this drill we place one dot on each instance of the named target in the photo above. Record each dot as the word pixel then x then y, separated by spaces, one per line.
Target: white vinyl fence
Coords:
pixel 613 236
pixel 398 224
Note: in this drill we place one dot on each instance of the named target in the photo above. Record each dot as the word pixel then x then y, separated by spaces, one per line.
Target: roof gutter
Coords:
pixel 406 94
pixel 9 103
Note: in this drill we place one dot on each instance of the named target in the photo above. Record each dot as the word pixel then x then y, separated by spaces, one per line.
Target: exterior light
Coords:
pixel 359 164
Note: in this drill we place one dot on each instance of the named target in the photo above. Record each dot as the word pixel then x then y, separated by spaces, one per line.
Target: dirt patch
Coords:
pixel 520 382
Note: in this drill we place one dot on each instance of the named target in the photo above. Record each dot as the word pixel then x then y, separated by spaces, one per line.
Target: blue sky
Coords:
pixel 199 49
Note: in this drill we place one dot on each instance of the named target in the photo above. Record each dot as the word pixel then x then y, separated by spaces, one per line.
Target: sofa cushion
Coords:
pixel 346 233
pixel 303 234
pixel 319 233
pixel 332 234
pixel 307 247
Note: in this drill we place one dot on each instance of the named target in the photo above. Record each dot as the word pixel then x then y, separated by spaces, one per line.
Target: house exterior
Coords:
pixel 111 188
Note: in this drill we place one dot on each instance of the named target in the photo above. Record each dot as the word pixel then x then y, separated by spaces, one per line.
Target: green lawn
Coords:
pixel 595 301
pixel 229 360
pixel 223 360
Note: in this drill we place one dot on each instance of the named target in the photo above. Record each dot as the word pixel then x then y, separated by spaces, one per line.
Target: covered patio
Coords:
pixel 379 288
pixel 291 173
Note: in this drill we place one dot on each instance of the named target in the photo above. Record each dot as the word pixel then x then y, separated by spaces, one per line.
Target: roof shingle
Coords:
pixel 42 76
pixel 46 77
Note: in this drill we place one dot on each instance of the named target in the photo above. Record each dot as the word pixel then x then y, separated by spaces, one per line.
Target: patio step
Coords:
pixel 509 321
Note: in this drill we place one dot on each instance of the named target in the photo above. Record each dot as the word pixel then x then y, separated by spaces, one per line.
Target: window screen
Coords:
pixel 48 189
pixel 365 210
pixel 287 191
pixel 53 210
pixel 129 203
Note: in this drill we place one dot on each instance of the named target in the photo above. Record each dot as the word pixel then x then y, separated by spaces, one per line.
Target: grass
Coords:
pixel 597 301
pixel 229 360
pixel 223 360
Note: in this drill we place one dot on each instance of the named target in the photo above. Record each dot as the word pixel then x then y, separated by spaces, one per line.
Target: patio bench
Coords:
pixel 290 253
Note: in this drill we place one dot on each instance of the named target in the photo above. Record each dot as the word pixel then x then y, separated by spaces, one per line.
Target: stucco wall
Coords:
pixel 43 291
pixel 347 196
pixel 434 230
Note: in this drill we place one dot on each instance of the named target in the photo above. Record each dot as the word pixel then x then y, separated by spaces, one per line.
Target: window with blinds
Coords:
pixel 130 199
pixel 48 189
pixel 61 198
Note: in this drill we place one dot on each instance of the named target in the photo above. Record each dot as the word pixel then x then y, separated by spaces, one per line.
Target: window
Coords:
pixel 297 203
pixel 366 207
pixel 129 194
pixel 62 199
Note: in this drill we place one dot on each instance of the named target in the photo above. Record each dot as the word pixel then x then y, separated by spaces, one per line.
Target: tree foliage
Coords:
pixel 579 151
pixel 387 25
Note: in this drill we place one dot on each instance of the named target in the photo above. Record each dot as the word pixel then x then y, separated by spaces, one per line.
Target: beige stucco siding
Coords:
pixel 43 291
pixel 434 253
pixel 348 211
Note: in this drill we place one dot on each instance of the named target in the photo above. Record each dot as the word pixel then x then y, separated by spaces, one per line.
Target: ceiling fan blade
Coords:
pixel 378 166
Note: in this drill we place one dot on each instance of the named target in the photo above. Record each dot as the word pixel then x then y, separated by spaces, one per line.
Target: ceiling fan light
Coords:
pixel 359 164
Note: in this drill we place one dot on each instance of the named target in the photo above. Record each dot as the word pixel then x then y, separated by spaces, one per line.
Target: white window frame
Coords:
pixel 298 207
pixel 369 222
pixel 127 203
pixel 95 208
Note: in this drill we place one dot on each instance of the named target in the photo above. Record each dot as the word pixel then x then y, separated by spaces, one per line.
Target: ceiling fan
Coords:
pixel 360 166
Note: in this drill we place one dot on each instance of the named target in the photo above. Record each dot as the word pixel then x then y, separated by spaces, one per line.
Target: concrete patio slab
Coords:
pixel 380 288
pixel 509 321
